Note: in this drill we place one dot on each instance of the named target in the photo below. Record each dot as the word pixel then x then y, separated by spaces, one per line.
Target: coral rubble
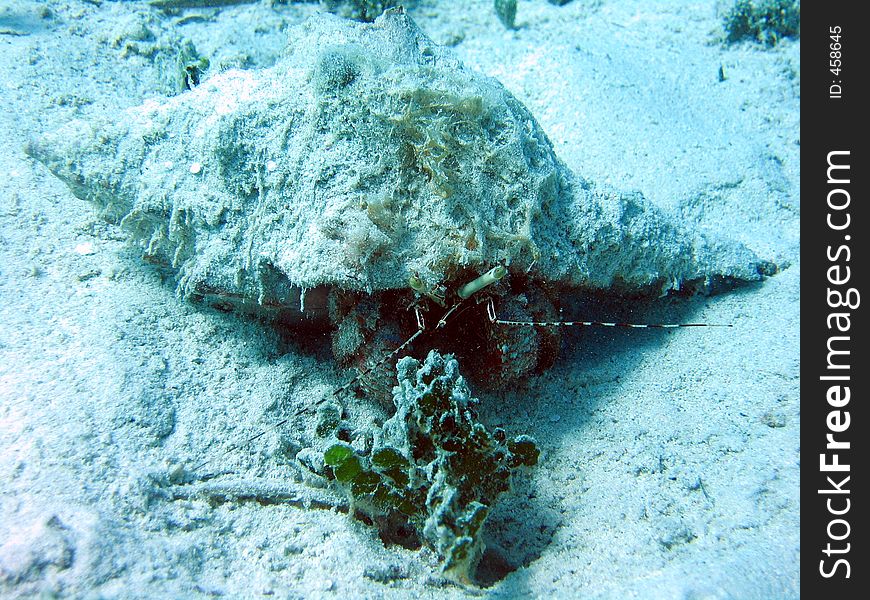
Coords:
pixel 435 471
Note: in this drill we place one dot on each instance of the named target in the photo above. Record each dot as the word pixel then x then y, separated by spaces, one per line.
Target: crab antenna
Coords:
pixel 490 311
pixel 236 446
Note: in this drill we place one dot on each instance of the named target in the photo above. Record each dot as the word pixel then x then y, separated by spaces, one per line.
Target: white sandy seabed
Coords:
pixel 671 459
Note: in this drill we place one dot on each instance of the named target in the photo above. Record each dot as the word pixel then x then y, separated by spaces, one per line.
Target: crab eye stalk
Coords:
pixel 474 286
pixel 416 284
pixel 419 286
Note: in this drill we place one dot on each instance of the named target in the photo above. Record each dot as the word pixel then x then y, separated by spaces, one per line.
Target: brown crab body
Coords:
pixel 369 329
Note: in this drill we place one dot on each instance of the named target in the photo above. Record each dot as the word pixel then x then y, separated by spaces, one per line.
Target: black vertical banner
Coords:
pixel 835 369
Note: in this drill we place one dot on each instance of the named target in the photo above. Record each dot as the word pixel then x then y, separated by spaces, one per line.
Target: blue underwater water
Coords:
pixel 165 441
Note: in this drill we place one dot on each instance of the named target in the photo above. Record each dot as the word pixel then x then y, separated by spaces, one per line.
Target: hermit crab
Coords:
pixel 502 333
pixel 372 185
pixel 461 321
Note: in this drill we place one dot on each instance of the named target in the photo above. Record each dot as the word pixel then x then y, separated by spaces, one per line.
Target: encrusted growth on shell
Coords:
pixel 368 155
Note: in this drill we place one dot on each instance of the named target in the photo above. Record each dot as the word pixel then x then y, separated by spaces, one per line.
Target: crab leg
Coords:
pixel 421 324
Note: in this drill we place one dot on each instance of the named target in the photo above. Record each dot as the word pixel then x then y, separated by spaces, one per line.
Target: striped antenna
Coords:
pixel 490 311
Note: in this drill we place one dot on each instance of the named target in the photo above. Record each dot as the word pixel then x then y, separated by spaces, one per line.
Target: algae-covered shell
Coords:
pixel 365 156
